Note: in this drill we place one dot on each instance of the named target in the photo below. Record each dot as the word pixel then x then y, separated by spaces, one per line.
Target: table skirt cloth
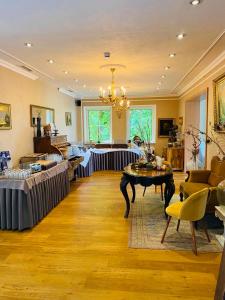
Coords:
pixel 111 160
pixel 20 209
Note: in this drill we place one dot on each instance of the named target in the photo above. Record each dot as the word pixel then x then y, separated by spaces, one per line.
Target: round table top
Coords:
pixel 142 172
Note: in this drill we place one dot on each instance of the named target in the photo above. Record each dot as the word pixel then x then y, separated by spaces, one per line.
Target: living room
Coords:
pixel 112 121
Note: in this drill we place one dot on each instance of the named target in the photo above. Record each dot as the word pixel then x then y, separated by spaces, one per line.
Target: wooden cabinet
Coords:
pixel 175 155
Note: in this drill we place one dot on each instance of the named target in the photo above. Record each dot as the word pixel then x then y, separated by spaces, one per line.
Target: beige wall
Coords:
pixel 164 109
pixel 203 84
pixel 20 92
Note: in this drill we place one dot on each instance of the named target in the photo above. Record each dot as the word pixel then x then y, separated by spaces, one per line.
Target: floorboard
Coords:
pixel 79 251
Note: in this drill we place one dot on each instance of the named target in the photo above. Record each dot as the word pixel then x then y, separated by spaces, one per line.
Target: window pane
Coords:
pixel 141 123
pixel 99 125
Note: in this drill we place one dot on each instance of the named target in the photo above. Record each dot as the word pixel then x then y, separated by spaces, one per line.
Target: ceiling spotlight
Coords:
pixel 51 61
pixel 157 87
pixel 28 45
pixel 159 83
pixel 171 55
pixel 84 86
pixel 180 36
pixel 107 54
pixel 163 76
pixel 65 72
pixel 195 2
pixel 167 68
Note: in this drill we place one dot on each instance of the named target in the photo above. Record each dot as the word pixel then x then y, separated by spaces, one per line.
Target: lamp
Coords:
pixel 119 100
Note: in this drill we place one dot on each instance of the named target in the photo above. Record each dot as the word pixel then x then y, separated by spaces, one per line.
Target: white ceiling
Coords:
pixel 139 34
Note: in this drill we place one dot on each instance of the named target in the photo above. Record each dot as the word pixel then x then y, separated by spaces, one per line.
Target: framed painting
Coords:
pixel 46 114
pixel 68 118
pixel 5 116
pixel 219 103
pixel 164 127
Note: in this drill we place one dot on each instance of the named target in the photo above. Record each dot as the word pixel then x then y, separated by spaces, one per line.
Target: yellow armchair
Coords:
pixel 192 210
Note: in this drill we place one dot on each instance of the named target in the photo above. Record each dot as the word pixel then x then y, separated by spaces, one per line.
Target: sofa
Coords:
pixel 200 179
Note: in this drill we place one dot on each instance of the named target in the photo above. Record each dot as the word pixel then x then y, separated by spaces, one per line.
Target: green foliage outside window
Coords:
pixel 141 123
pixel 99 125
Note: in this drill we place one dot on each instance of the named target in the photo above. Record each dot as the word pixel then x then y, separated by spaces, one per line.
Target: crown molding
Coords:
pixel 200 59
pixel 18 70
pixel 7 54
pixel 217 61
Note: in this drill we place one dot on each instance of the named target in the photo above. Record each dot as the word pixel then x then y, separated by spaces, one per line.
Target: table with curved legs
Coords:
pixel 146 178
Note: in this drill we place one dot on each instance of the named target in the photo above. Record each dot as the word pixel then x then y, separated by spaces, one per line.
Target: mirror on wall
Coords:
pixel 46 114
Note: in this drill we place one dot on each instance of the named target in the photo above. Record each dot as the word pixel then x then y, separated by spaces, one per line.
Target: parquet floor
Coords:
pixel 79 251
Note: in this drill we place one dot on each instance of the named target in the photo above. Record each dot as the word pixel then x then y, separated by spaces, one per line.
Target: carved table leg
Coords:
pixel 123 188
pixel 168 192
pixel 133 190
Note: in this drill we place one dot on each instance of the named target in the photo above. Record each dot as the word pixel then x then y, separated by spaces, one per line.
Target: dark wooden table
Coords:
pixel 146 178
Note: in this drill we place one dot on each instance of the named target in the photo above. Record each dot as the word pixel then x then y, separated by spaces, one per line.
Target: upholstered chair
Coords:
pixel 200 179
pixel 192 210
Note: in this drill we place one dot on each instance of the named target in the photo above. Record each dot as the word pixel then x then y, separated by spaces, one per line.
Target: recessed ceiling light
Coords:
pixel 51 61
pixel 180 36
pixel 163 76
pixel 65 72
pixel 157 87
pixel 76 80
pixel 84 86
pixel 167 68
pixel 159 82
pixel 195 2
pixel 171 55
pixel 28 45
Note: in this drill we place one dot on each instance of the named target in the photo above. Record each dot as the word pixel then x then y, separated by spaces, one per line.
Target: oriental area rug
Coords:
pixel 148 223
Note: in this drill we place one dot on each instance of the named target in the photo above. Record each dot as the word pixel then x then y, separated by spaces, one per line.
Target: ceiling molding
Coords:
pixel 204 73
pixel 26 64
pixel 212 45
pixel 151 98
pixel 18 70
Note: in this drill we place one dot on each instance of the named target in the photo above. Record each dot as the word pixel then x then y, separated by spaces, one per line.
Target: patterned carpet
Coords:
pixel 148 223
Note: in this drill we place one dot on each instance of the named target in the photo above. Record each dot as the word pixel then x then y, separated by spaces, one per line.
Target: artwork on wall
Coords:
pixel 46 114
pixel 219 112
pixel 164 127
pixel 68 118
pixel 5 116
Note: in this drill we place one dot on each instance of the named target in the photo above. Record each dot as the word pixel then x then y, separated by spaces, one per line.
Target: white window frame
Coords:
pixel 86 132
pixel 153 107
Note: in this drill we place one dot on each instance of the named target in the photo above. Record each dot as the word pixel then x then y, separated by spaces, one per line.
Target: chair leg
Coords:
pixel 193 237
pixel 206 231
pixel 178 225
pixel 144 191
pixel 162 192
pixel 167 225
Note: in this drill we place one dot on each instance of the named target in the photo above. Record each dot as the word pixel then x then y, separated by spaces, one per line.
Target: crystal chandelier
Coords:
pixel 116 98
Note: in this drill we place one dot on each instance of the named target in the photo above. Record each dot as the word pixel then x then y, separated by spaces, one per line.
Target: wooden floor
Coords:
pixel 79 251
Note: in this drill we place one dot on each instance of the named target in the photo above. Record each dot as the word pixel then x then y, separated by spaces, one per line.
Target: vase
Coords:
pixel 38 127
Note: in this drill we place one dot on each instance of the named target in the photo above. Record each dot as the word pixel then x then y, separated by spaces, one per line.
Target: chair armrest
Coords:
pixel 200 176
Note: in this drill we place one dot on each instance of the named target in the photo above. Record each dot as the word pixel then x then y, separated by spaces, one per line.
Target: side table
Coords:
pixel 220 213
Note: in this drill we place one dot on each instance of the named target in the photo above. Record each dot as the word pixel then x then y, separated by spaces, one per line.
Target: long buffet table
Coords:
pixel 24 202
pixel 106 159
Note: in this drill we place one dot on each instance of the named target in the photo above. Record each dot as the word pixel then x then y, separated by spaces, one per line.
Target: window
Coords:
pixel 97 124
pixel 142 122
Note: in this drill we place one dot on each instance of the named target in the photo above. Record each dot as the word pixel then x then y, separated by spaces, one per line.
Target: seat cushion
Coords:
pixel 173 210
pixel 189 188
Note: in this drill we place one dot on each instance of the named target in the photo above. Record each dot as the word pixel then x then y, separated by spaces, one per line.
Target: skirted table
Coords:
pixel 106 159
pixel 24 202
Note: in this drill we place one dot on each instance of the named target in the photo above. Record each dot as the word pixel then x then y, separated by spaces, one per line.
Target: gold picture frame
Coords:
pixel 68 118
pixel 219 103
pixel 164 126
pixel 5 116
pixel 46 114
